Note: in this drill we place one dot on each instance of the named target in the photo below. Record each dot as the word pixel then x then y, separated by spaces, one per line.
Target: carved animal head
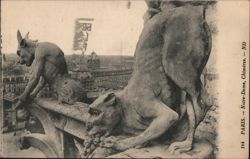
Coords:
pixel 70 91
pixel 153 3
pixel 104 114
pixel 25 49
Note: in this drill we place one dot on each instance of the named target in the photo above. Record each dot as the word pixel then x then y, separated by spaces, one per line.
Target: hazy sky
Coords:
pixel 115 29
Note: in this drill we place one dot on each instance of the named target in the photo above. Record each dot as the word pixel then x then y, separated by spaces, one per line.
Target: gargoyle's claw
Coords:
pixel 109 142
pixel 180 147
pixel 172 148
pixel 141 145
pixel 115 143
pixel 107 145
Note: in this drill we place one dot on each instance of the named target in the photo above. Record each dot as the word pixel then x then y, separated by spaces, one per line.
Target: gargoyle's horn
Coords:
pixel 19 37
pixel 27 35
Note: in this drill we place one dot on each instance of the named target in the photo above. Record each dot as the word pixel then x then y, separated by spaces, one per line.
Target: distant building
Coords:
pixel 86 69
pixel 17 84
pixel 83 27
pixel 11 115
pixel 112 79
pixel 14 84
pixel 95 78
pixel 93 62
pixel 10 67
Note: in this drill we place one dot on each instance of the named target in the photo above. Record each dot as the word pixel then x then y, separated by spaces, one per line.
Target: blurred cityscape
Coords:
pixel 97 74
pixel 94 72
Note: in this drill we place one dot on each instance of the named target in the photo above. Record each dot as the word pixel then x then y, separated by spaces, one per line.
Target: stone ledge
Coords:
pixel 201 149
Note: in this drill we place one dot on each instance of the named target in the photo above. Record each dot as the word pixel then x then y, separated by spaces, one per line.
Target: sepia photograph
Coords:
pixel 124 79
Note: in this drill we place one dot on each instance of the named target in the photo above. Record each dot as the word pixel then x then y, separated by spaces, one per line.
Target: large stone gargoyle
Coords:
pixel 171 53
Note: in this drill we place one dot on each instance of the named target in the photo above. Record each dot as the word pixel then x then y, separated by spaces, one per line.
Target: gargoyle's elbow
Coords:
pixel 174 116
pixel 170 117
pixel 34 80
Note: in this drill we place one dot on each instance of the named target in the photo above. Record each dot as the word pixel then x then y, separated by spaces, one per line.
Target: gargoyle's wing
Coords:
pixel 186 48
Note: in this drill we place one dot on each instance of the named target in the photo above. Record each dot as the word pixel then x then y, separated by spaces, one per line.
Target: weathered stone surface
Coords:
pixel 167 69
pixel 76 111
pixel 201 149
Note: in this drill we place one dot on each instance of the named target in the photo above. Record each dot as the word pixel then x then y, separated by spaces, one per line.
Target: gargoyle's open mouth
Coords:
pixel 95 116
pixel 94 112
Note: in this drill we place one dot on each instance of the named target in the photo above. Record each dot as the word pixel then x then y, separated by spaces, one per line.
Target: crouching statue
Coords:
pixel 48 67
pixel 165 97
